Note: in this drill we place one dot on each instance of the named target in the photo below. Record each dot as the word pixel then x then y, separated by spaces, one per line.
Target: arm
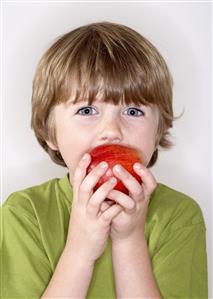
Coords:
pixel 179 261
pixel 133 270
pixel 132 266
pixel 87 234
pixel 26 268
pixel 71 278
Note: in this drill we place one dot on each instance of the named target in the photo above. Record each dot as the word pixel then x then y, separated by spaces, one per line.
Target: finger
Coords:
pixel 148 180
pixel 80 171
pixel 122 199
pixel 104 206
pixel 98 197
pixel 129 181
pixel 90 181
pixel 109 214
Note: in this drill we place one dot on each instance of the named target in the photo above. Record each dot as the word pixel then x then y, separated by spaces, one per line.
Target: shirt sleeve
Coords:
pixel 25 270
pixel 180 261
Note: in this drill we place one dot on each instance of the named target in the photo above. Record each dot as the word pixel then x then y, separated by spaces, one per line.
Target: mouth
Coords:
pixel 110 143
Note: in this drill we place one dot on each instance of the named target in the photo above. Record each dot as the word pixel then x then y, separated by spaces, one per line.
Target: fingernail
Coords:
pixel 118 168
pixel 138 166
pixel 113 180
pixel 85 156
pixel 103 165
pixel 131 205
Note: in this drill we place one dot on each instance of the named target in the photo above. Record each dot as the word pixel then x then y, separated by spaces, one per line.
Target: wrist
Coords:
pixel 131 240
pixel 76 258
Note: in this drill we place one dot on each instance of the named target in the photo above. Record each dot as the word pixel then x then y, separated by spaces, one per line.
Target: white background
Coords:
pixel 182 33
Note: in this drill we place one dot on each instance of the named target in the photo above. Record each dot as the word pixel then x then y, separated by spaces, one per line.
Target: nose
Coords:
pixel 110 131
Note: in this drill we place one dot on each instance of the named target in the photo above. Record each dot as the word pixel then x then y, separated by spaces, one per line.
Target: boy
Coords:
pixel 102 83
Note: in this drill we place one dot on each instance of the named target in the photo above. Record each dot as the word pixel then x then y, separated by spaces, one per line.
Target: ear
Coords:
pixel 52 145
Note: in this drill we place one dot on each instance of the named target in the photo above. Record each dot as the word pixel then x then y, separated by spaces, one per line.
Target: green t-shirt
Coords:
pixel 34 227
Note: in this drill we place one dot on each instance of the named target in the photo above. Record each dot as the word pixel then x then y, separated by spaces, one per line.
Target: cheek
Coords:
pixel 72 146
pixel 145 142
pixel 70 153
pixel 147 154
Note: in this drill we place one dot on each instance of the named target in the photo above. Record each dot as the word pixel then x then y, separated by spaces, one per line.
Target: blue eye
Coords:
pixel 86 111
pixel 134 112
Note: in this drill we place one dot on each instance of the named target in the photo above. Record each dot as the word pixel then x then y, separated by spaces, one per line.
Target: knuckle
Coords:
pixel 105 217
pixel 92 203
pixel 126 175
pixel 104 189
pixel 97 172
pixel 109 184
pixel 138 192
pixel 84 188
pixel 132 205
pixel 78 173
pixel 92 177
pixel 101 169
pixel 90 207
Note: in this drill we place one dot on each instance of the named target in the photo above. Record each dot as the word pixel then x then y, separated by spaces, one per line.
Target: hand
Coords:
pixel 131 221
pixel 89 226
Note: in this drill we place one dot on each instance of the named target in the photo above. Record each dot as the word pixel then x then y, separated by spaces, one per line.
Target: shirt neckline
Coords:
pixel 67 189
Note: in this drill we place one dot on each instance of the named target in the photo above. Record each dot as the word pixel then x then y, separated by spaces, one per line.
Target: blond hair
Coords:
pixel 104 56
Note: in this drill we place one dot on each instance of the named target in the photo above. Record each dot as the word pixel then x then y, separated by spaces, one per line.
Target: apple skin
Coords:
pixel 115 154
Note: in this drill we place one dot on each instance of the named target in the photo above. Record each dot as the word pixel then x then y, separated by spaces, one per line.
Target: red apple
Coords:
pixel 115 154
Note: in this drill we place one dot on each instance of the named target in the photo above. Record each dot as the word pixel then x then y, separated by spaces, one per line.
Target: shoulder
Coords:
pixel 172 214
pixel 175 234
pixel 40 216
pixel 174 207
pixel 38 197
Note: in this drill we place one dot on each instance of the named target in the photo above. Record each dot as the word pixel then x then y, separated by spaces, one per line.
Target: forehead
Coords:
pixel 108 95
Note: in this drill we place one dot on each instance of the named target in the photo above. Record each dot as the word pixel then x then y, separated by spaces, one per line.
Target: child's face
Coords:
pixel 80 127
